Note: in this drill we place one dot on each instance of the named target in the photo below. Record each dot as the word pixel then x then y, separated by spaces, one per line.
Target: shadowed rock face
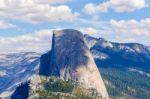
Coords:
pixel 68 51
pixel 70 58
pixel 22 92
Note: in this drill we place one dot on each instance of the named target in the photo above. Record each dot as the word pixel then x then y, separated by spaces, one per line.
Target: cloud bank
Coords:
pixel 36 11
pixel 38 42
pixel 6 25
pixel 116 5
pixel 131 30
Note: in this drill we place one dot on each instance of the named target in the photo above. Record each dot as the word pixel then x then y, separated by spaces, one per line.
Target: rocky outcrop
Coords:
pixel 70 58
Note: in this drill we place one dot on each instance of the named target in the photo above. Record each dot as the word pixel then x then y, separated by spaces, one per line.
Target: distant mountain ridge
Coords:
pixel 119 54
pixel 133 47
pixel 16 68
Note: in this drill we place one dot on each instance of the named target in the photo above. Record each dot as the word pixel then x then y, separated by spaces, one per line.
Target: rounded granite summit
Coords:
pixel 70 58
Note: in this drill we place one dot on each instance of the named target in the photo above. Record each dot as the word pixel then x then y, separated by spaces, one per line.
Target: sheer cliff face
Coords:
pixel 70 58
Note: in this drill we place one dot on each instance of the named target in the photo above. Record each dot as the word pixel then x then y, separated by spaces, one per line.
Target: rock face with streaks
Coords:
pixel 70 58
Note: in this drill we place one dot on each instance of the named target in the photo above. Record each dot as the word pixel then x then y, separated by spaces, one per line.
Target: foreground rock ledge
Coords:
pixel 70 58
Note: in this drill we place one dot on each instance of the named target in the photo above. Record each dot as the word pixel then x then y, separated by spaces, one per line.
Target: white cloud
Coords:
pixel 34 11
pixel 95 18
pixel 116 5
pixel 39 42
pixel 91 8
pixel 131 30
pixel 53 1
pixel 127 5
pixel 132 26
pixel 95 32
pixel 88 30
pixel 5 25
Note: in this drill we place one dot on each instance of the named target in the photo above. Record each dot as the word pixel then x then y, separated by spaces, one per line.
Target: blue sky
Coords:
pixel 26 22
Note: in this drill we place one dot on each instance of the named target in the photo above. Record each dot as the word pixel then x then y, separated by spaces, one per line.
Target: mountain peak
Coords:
pixel 70 58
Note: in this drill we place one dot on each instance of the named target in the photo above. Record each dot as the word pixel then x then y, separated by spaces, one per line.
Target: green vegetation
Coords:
pixel 120 83
pixel 56 88
pixel 126 84
pixel 59 85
